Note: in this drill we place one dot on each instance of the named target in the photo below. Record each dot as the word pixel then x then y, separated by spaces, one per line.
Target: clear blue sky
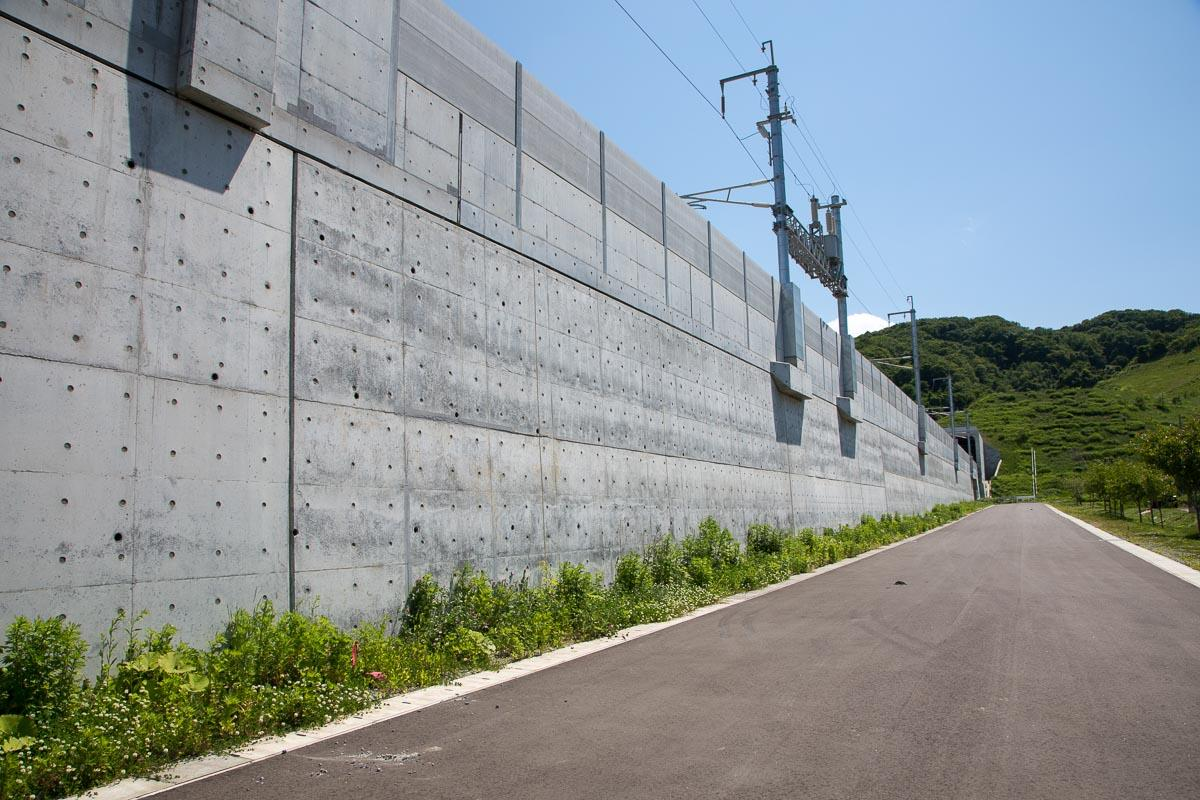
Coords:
pixel 1036 160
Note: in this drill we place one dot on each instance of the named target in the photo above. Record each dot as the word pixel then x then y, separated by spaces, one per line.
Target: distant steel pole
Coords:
pixel 976 471
pixel 846 357
pixel 950 389
pixel 916 355
pixel 1033 470
pixel 949 379
pixel 911 313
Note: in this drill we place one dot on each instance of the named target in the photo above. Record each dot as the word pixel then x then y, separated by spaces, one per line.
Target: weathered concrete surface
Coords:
pixel 1020 658
pixel 409 317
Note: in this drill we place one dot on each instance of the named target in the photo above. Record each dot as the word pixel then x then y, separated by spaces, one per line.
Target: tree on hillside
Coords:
pixel 1154 488
pixel 1111 482
pixel 992 354
pixel 1095 481
pixel 1126 477
pixel 1175 449
pixel 1124 480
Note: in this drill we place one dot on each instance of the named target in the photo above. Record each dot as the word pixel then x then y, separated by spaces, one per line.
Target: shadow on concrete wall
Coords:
pixel 166 135
pixel 847 437
pixel 789 419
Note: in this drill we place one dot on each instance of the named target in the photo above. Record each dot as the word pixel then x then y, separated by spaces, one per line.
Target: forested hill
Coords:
pixel 1076 394
pixel 990 354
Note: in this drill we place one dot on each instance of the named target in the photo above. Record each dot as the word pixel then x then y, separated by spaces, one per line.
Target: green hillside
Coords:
pixel 992 354
pixel 1076 394
pixel 1070 427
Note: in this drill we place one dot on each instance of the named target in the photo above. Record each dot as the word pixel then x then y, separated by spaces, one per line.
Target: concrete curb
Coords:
pixel 1170 565
pixel 185 772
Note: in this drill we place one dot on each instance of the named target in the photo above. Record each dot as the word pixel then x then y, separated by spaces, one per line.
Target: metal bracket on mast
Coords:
pixel 698 199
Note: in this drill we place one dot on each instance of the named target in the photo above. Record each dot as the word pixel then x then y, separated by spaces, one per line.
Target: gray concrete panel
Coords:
pixel 556 135
pixel 687 232
pixel 829 345
pixel 631 191
pixel 440 50
pixel 431 137
pixel 760 291
pixel 762 335
pixel 560 202
pixel 336 531
pixel 136 36
pixel 346 292
pixel 344 82
pixel 489 171
pixel 727 265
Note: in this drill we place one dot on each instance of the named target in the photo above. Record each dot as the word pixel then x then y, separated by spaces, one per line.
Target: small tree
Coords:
pixel 1124 483
pixel 1076 487
pixel 1154 487
pixel 1095 481
pixel 1175 449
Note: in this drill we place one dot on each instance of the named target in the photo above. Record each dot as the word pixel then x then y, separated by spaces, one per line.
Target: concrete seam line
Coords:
pixel 419 699
pixel 1165 563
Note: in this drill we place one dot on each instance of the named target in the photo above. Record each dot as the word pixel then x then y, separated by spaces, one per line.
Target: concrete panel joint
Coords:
pixel 518 116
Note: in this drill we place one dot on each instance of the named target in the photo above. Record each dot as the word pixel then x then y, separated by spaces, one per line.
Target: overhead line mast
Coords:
pixel 911 314
pixel 815 248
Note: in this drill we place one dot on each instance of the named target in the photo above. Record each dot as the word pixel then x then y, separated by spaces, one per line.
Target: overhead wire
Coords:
pixel 859 300
pixel 741 140
pixel 718 34
pixel 811 140
pixel 803 162
pixel 858 250
pixel 737 11
pixel 742 67
pixel 692 83
pixel 874 246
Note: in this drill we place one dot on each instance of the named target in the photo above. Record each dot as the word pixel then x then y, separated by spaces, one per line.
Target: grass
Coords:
pixel 1072 427
pixel 156 701
pixel 1175 539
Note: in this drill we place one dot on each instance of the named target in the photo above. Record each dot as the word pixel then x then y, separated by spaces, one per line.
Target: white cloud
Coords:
pixel 862 323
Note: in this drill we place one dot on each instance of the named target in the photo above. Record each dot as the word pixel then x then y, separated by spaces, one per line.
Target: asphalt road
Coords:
pixel 1021 658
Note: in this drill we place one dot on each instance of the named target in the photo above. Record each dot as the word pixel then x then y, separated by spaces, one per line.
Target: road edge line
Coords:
pixel 213 764
pixel 1165 563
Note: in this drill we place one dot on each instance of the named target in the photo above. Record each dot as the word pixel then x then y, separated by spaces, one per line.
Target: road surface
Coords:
pixel 1021 657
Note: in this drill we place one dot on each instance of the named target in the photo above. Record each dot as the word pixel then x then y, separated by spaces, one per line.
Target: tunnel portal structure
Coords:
pixel 302 300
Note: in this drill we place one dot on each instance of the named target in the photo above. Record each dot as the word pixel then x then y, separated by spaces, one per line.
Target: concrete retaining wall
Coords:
pixel 305 300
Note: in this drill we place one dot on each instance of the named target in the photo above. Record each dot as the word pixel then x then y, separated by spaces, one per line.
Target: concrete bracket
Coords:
pixel 846 409
pixel 791 380
pixel 226 64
